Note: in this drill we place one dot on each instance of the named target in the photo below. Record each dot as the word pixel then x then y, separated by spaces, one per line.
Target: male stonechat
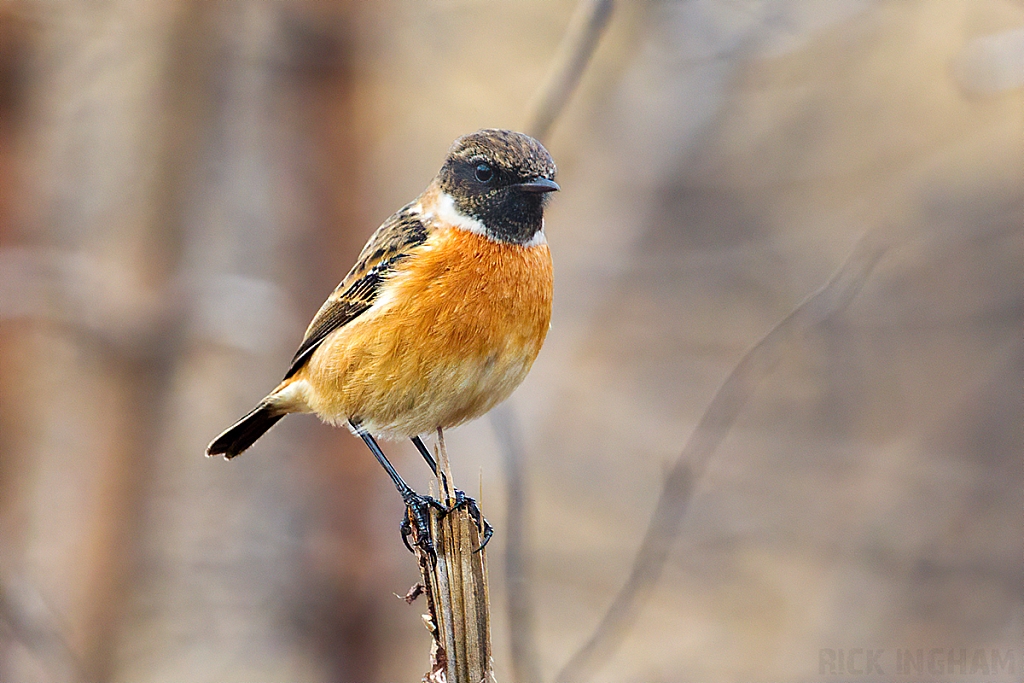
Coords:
pixel 442 315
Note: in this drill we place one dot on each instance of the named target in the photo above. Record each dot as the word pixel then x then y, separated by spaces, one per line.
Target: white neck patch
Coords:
pixel 444 209
pixel 538 238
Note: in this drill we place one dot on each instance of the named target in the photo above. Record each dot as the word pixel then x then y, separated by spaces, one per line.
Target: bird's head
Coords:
pixel 499 180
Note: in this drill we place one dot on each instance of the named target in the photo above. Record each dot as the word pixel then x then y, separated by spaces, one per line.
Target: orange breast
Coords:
pixel 453 333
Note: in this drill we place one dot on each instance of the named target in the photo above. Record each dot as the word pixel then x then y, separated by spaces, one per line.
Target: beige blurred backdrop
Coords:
pixel 183 182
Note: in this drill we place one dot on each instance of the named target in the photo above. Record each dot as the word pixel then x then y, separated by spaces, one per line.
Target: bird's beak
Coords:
pixel 539 185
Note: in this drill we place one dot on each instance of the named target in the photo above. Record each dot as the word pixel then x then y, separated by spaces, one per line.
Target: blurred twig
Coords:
pixel 518 598
pixel 33 624
pixel 712 428
pixel 574 52
pixel 586 26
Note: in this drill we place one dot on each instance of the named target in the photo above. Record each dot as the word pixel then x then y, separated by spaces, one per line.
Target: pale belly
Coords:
pixel 454 337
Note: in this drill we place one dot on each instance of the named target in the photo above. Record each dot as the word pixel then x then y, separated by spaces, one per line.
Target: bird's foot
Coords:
pixel 464 502
pixel 416 522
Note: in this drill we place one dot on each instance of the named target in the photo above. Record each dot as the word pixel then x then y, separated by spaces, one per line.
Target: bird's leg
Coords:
pixel 461 499
pixel 418 442
pixel 417 505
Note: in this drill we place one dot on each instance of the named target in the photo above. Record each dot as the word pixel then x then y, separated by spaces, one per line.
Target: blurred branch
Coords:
pixel 77 291
pixel 712 428
pixel 110 215
pixel 518 599
pixel 574 53
pixel 33 624
pixel 73 289
pixel 586 26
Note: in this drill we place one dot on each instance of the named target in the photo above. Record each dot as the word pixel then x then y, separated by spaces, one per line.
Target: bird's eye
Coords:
pixel 483 173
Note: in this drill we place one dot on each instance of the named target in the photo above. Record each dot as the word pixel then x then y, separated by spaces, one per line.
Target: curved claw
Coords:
pixel 482 525
pixel 406 530
pixel 488 532
pixel 417 513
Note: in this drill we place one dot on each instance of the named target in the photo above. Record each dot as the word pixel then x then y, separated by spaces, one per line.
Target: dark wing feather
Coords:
pixel 388 246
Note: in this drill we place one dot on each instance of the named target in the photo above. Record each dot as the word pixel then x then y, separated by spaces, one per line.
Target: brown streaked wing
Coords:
pixel 388 246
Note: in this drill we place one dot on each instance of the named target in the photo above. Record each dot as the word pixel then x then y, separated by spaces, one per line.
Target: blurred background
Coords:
pixel 182 183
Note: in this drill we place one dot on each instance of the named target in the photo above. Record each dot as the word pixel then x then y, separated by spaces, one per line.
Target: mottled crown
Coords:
pixel 514 152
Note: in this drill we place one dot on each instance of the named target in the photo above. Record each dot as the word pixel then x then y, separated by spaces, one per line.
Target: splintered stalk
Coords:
pixel 454 580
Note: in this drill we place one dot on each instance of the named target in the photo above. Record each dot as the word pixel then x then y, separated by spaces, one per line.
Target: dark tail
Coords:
pixel 244 433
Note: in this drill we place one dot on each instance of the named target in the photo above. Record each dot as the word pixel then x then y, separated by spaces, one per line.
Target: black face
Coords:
pixel 501 178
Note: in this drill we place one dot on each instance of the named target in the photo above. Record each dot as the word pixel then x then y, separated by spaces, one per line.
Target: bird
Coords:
pixel 440 318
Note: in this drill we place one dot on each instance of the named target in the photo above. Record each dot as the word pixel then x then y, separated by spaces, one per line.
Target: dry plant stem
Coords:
pixel 574 52
pixel 455 583
pixel 718 418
